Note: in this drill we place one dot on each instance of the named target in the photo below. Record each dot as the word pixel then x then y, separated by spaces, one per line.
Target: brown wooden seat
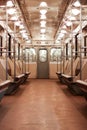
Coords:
pixel 14 83
pixel 68 78
pixel 18 76
pixel 19 66
pixel 66 71
pixel 80 87
pixel 3 88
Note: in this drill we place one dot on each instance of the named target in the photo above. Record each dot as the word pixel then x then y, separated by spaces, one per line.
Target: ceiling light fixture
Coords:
pixel 43 25
pixel 11 11
pixel 14 18
pixel 75 11
pixel 10 3
pixel 43 4
pixel 28 41
pixel 68 23
pixel 43 16
pixel 43 30
pixel 17 23
pixel 63 31
pixel 43 22
pixel 43 7
pixel 64 26
pixel 43 11
pixel 24 35
pixel 71 18
pixel 77 4
pixel 21 26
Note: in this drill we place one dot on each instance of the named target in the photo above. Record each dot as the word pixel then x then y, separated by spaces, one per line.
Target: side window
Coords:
pixel 55 54
pixel 29 55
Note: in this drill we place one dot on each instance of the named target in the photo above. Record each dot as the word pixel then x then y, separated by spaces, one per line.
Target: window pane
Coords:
pixel 29 55
pixel 55 54
pixel 43 55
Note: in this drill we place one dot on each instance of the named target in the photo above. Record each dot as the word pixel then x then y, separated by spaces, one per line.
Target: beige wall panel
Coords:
pixel 33 70
pixel 53 70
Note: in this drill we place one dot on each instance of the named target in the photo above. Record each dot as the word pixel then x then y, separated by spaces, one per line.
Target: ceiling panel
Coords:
pixel 55 12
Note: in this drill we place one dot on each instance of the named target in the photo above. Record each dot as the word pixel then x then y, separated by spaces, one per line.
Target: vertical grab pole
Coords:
pixel 71 45
pixel 6 28
pixel 61 62
pixel 81 41
pixel 61 65
pixel 72 50
pixel 57 63
pixel 28 62
pixel 18 51
pixel 22 59
pixel 71 59
pixel 14 52
pixel 25 59
pixel 63 58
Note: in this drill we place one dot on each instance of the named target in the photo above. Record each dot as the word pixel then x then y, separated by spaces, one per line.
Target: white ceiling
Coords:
pixel 29 12
pixel 55 12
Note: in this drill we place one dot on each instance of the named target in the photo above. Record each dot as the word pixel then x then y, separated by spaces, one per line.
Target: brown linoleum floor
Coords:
pixel 43 105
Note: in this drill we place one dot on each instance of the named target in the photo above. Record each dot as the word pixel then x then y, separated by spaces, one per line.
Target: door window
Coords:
pixel 43 55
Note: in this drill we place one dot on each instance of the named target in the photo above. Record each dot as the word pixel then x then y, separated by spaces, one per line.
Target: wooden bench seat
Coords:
pixel 3 88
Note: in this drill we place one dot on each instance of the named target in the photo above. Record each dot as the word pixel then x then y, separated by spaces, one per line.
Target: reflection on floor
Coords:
pixel 43 105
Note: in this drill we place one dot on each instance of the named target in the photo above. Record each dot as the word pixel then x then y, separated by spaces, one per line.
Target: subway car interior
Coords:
pixel 43 65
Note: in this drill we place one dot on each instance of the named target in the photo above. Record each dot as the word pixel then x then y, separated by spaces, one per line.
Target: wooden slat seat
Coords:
pixel 14 84
pixel 80 88
pixel 69 79
pixel 19 76
pixel 67 69
pixel 19 65
pixel 3 88
pixel 82 85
